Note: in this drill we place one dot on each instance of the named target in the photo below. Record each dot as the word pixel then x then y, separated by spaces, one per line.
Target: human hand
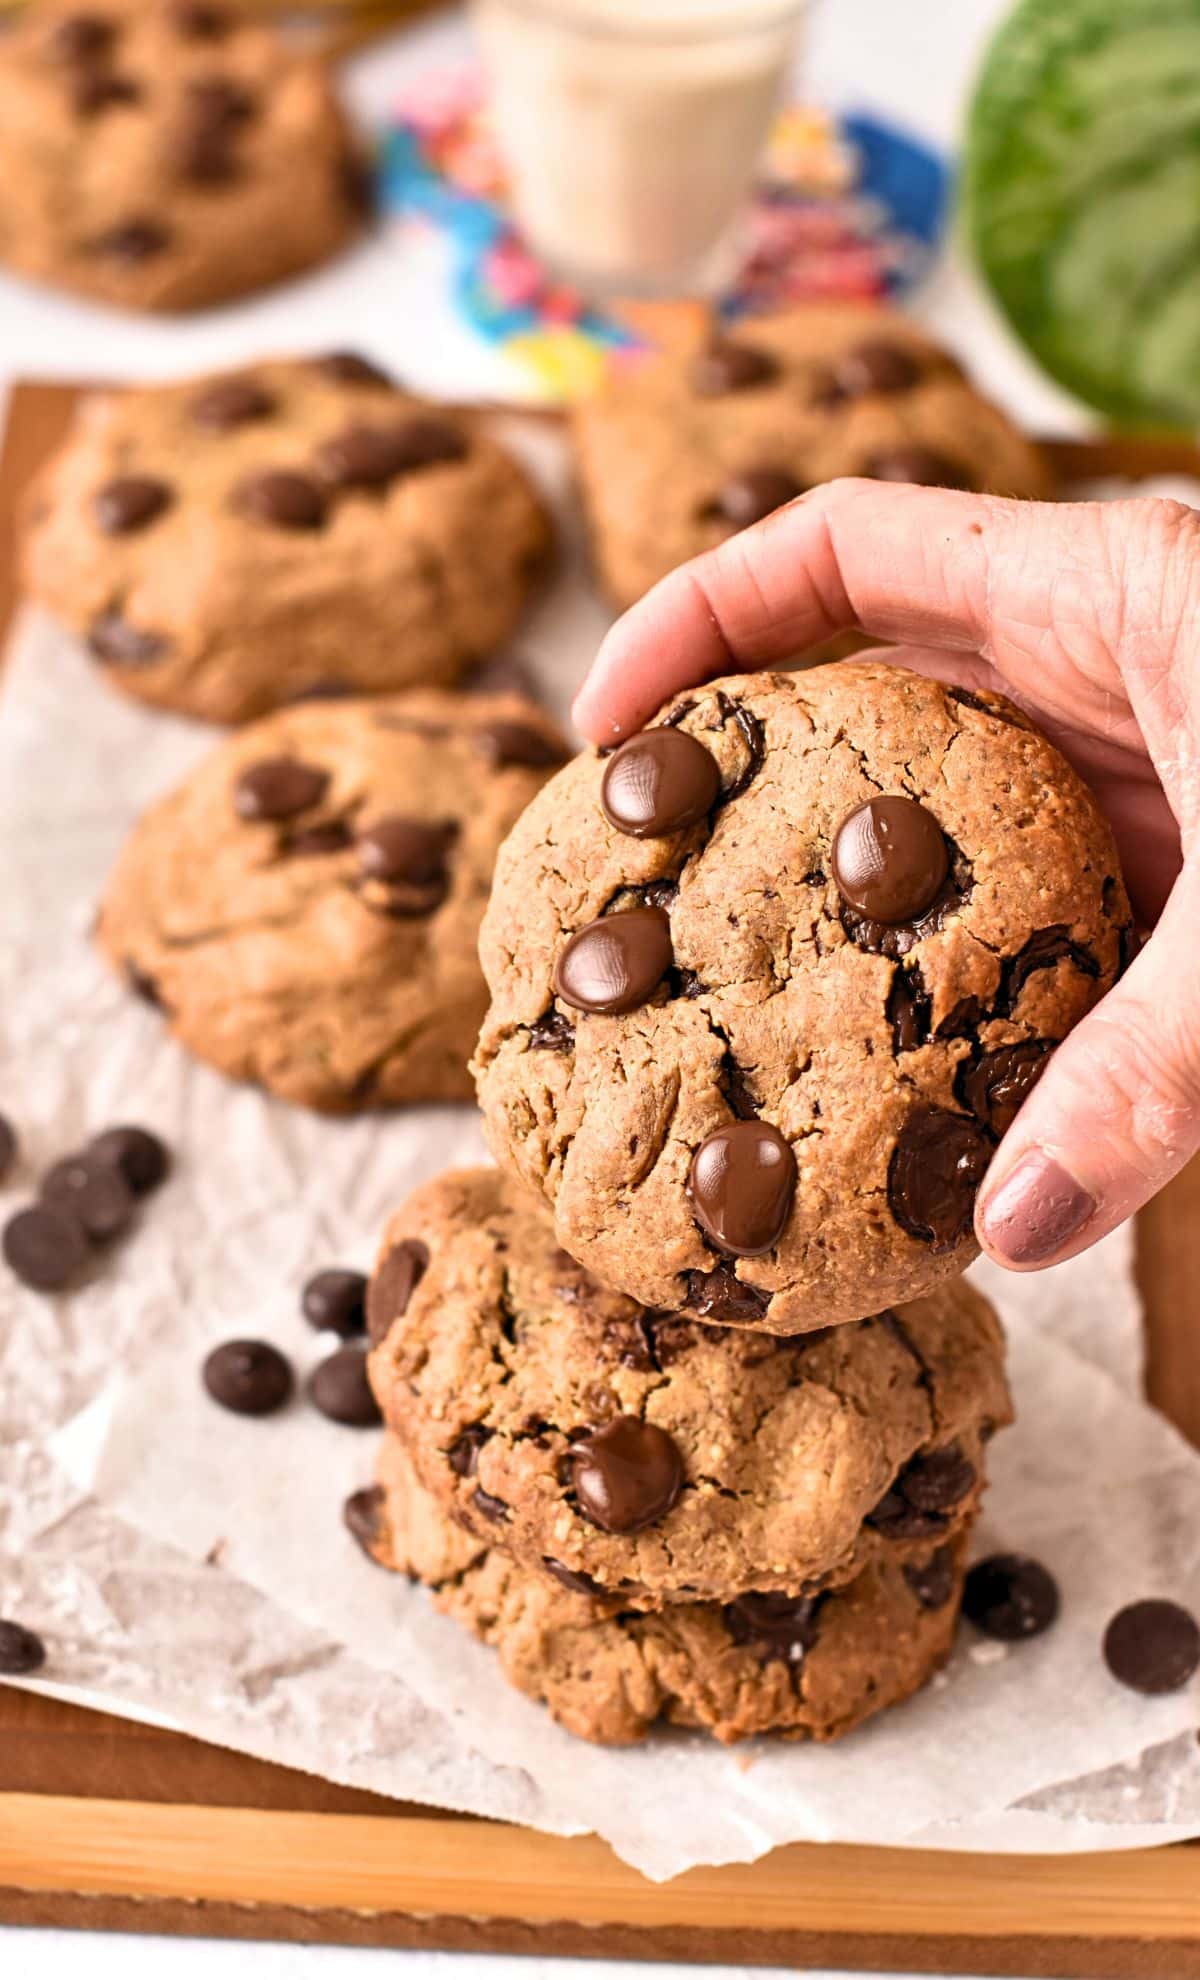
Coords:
pixel 1086 615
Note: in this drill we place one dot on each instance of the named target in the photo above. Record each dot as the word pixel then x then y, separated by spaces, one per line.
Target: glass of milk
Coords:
pixel 632 128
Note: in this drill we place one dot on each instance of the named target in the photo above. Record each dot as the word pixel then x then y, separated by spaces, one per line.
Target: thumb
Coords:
pixel 1117 1113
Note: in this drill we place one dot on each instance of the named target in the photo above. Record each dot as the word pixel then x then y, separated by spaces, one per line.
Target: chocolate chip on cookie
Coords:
pixel 936 1167
pixel 230 403
pixel 393 1285
pixel 278 787
pixel 996 1084
pixel 890 859
pixel 134 241
pixel 729 366
pixel 130 502
pixel 748 497
pixel 113 638
pixel 616 963
pixel 281 497
pixel 406 854
pixel 774 1626
pixel 741 1184
pixel 875 366
pixel 626 1476
pixel 659 782
pixel 504 744
pixel 363 456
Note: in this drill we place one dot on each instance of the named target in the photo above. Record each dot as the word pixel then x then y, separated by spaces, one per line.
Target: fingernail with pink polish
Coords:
pixel 1036 1210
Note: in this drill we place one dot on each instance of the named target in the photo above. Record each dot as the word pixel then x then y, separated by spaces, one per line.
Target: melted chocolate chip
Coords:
pixel 1153 1647
pixel 572 1578
pixel 21 1651
pixel 995 1085
pixel 746 498
pixel 751 731
pixel 348 368
pixel 896 1518
pixel 363 1516
pixel 626 1476
pixel 616 963
pixel 140 1156
pixel 93 1192
pixel 1010 1597
pixel 340 1388
pixel 932 1581
pixel 874 366
pixel 409 860
pixel 775 1626
pixel 506 745
pixel 937 1481
pixel 133 241
pixel 45 1247
pixel 937 1165
pixel 1045 949
pixel 282 498
pixel 740 1186
pixel 119 643
pixel 729 366
pixel 909 1009
pixel 230 403
pixel 890 859
pixel 278 787
pixel 371 456
pixel 395 1281
pixel 334 1301
pixel 659 782
pixel 725 1299
pixel 922 465
pixel 739 1096
pixel 129 503
pixel 552 1032
pixel 251 1378
pixel 463 1454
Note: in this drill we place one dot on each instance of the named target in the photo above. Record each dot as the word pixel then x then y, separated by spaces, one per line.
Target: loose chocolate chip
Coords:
pixel 932 1581
pixel 129 503
pixel 372 456
pixel 626 1476
pixel 896 1518
pixel 93 1192
pixel 140 1157
pixel 393 1285
pixel 399 849
pixel 45 1247
pixel 318 841
pixel 937 1481
pixel 463 1454
pixel 117 641
pixel 917 464
pixel 728 366
pixel 659 782
pixel 890 859
pixel 747 498
pixel 133 241
pixel 94 90
pixel 510 744
pixel 334 1301
pixel 776 1626
pixel 8 1145
pixel 362 1515
pixel 81 38
pixel 616 963
pixel 281 497
pixel 937 1165
pixel 725 1299
pixel 740 1186
pixel 572 1578
pixel 348 368
pixel 341 1390
pixel 1153 1647
pixel 198 21
pixel 251 1378
pixel 21 1651
pixel 230 403
pixel 1010 1597
pixel 995 1085
pixel 875 366
pixel 278 787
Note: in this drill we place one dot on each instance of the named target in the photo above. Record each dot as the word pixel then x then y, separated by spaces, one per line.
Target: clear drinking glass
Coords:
pixel 632 128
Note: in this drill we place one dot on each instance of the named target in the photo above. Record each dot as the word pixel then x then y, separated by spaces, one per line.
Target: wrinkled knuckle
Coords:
pixel 1165 528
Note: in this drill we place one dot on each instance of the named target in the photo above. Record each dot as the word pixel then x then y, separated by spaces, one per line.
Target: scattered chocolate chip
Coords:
pixel 937 1165
pixel 230 403
pixel 890 859
pixel 45 1247
pixel 747 498
pixel 117 641
pixel 251 1378
pixel 725 1299
pixel 362 1515
pixel 616 963
pixel 278 787
pixel 95 90
pixel 334 1301
pixel 318 841
pixel 776 1626
pixel 509 744
pixel 740 1186
pixel 728 366
pixel 875 366
pixel 572 1578
pixel 994 1085
pixel 552 1032
pixel 81 38
pixel 21 1651
pixel 93 1192
pixel 1010 1597
pixel 133 241
pixel 140 1157
pixel 1153 1647
pixel 659 782
pixel 129 503
pixel 626 1476
pixel 463 1454
pixel 348 368
pixel 393 1285
pixel 937 1481
pixel 896 1518
pixel 371 456
pixel 8 1145
pixel 281 497
pixel 341 1390
pixel 932 1581
pixel 922 465
pixel 1045 949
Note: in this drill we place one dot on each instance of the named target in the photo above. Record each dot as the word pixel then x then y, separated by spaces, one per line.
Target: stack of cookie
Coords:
pixel 688 1407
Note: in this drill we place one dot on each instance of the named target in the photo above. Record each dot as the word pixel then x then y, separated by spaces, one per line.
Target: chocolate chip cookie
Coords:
pixel 614 1449
pixel 679 453
pixel 756 1049
pixel 304 909
pixel 170 154
pixel 806 1667
pixel 228 544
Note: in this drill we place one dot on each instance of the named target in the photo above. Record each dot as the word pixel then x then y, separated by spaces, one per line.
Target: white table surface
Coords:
pixel 913 61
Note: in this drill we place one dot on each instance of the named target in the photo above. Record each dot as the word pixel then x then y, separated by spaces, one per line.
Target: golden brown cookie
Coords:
pixel 227 544
pixel 676 454
pixel 304 909
pixel 769 984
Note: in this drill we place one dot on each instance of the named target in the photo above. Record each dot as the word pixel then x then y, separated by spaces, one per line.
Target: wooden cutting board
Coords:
pixel 108 1824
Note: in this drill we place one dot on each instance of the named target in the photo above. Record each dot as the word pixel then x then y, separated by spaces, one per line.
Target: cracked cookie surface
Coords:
pixel 739 1461
pixel 677 454
pixel 228 544
pixel 167 154
pixel 812 1669
pixel 304 908
pixel 778 1115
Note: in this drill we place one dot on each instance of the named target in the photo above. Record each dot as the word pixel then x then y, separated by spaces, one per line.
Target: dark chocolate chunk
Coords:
pixel 251 1378
pixel 774 1625
pixel 117 641
pixel 720 1296
pixel 93 1192
pixel 898 1519
pixel 129 503
pixel 937 1165
pixel 393 1285
pixel 230 403
pixel 572 1578
pixel 909 1009
pixel 746 498
pixel 740 1186
pixel 659 782
pixel 890 859
pixel 278 787
pixel 333 835
pixel 616 963
pixel 140 1156
pixel 626 1476
pixel 340 1388
pixel 1010 1597
pixel 463 1454
pixel 45 1247
pixel 1045 949
pixel 364 456
pixel 335 1301
pixel 994 1085
pixel 937 1481
pixel 751 731
pixel 932 1581
pixel 396 849
pixel 489 1505
pixel 21 1651
pixel 552 1032
pixel 281 497
pixel 1153 1647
